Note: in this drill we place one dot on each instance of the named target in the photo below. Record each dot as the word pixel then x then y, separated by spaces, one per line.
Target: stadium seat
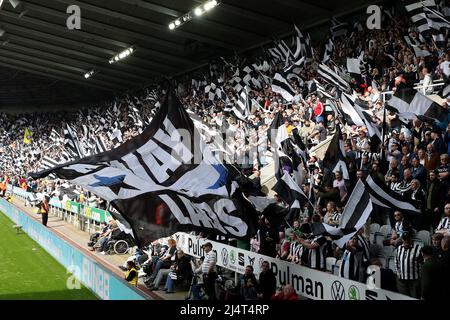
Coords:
pixel 391 263
pixel 419 242
pixel 374 227
pixel 385 229
pixel 425 236
pixel 388 251
pixel 379 239
pixel 330 263
pixel 382 234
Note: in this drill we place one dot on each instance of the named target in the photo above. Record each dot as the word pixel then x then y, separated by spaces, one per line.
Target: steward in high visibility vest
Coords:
pixel 24 186
pixel 131 275
pixel 43 210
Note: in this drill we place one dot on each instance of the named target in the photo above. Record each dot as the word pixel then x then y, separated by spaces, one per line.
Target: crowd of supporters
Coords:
pixel 413 161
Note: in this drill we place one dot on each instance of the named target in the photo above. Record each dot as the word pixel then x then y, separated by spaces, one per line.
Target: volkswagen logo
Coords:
pixel 224 257
pixel 337 291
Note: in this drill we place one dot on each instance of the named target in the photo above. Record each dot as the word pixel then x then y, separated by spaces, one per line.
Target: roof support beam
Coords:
pixel 247 14
pixel 203 20
pixel 97 38
pixel 157 68
pixel 26 42
pixel 115 30
pixel 66 60
pixel 55 67
pixel 42 71
pixel 147 23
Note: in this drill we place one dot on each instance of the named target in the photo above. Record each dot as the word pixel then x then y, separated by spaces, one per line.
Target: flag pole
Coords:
pixel 383 133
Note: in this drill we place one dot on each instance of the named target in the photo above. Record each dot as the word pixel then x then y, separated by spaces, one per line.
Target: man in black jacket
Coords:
pixel 267 282
pixel 435 199
pixel 248 285
pixel 432 284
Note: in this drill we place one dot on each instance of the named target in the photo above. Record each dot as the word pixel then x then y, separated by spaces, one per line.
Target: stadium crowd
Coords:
pixel 412 161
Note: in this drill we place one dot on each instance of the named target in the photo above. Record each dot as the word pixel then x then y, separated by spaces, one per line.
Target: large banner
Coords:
pixel 307 282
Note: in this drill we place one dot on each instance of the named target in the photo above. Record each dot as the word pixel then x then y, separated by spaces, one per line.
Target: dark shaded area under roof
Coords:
pixel 37 42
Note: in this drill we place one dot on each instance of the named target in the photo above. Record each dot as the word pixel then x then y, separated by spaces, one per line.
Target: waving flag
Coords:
pixel 27 136
pixel 164 180
pixel 355 215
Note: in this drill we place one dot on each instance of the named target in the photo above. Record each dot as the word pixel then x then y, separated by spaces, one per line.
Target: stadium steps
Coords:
pixel 267 176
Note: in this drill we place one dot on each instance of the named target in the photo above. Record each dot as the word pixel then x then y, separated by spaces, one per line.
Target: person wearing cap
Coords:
pixel 209 271
pixel 394 138
pixel 408 265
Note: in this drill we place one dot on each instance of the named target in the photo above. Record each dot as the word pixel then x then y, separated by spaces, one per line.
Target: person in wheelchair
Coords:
pixel 95 236
pixel 112 226
pixel 118 243
pixel 180 274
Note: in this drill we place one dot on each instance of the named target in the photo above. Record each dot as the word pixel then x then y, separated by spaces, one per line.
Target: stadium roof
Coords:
pixel 37 41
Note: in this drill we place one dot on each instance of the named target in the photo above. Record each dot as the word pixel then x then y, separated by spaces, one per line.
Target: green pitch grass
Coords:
pixel 28 272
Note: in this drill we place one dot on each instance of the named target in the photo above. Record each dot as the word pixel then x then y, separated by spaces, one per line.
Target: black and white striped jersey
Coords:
pixel 295 251
pixel 444 224
pixel 408 262
pixel 349 268
pixel 317 257
pixel 362 242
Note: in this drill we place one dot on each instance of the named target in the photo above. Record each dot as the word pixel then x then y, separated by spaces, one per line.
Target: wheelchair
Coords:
pixel 120 244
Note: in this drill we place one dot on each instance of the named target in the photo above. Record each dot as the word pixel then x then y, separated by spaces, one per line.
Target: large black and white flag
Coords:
pixel 355 215
pixel 164 180
pixel 334 160
pixel 416 12
pixel 281 85
pixel 291 193
pixel 332 78
pixel 355 114
pixel 409 103
pixel 338 28
pixel 416 46
pixel 71 142
pixel 328 50
pixel 384 197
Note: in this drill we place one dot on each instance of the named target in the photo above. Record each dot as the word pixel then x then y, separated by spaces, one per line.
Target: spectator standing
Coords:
pixel 209 271
pixel 44 209
pixel 408 262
